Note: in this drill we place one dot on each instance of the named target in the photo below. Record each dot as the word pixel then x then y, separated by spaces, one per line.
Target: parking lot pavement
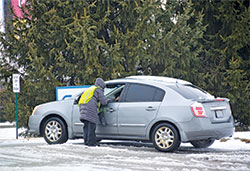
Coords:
pixel 35 154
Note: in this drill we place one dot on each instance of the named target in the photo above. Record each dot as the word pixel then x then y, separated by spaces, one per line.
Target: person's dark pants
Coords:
pixel 89 133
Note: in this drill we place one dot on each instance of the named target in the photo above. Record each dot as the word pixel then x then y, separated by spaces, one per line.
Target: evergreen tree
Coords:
pixel 225 59
pixel 71 43
pixel 236 51
pixel 179 54
pixel 67 42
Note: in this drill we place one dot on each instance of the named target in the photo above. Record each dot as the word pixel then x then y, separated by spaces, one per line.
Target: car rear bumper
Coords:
pixel 202 128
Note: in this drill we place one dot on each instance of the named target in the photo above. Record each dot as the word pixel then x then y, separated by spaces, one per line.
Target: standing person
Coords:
pixel 89 110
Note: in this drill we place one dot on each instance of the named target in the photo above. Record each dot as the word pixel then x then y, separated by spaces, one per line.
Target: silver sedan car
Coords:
pixel 161 110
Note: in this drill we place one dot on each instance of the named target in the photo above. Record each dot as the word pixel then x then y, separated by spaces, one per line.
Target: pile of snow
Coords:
pixel 233 143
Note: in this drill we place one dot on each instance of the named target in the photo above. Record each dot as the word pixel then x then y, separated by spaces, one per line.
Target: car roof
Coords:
pixel 152 79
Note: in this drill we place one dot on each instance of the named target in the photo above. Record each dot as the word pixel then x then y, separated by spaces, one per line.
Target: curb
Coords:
pixel 7 125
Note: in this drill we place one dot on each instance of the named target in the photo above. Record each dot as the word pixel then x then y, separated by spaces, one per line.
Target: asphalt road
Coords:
pixel 35 154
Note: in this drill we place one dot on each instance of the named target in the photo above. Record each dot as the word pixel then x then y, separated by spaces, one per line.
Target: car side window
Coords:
pixel 159 94
pixel 143 93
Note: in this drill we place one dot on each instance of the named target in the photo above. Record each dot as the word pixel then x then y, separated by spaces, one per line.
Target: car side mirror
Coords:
pixel 77 100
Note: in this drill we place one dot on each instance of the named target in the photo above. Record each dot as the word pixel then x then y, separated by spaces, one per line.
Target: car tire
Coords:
pixel 202 143
pixel 165 137
pixel 54 131
pixel 98 140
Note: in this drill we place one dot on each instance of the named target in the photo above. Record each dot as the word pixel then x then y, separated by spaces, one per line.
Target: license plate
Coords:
pixel 219 114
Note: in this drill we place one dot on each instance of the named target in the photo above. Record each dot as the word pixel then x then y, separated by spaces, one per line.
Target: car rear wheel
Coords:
pixel 202 143
pixel 54 131
pixel 166 137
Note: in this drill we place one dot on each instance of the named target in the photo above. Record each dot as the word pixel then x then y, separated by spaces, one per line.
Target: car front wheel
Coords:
pixel 166 137
pixel 54 131
pixel 202 143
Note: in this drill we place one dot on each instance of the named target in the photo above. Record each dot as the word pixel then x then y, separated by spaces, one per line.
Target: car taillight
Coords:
pixel 198 110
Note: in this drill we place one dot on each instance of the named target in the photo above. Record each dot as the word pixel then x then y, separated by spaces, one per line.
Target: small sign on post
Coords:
pixel 16 83
pixel 16 89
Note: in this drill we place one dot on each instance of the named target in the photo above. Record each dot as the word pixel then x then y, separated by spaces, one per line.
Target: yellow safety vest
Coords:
pixel 87 95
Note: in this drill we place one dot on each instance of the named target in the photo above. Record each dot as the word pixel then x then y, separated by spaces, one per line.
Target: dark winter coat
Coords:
pixel 89 111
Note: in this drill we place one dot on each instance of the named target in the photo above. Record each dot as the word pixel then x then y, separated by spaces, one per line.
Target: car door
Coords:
pixel 112 92
pixel 138 108
pixel 77 124
pixel 110 115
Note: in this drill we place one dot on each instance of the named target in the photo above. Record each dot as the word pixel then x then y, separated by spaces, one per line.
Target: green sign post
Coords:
pixel 16 118
pixel 16 90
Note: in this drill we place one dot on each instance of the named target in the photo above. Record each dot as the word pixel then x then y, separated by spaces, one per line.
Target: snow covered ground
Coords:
pixel 30 154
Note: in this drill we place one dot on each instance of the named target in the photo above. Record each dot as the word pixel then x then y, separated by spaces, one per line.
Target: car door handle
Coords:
pixel 150 108
pixel 111 110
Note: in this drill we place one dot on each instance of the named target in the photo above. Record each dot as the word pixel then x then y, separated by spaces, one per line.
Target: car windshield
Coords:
pixel 107 90
pixel 190 91
pixel 110 89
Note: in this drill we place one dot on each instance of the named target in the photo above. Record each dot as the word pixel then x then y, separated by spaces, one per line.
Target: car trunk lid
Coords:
pixel 217 110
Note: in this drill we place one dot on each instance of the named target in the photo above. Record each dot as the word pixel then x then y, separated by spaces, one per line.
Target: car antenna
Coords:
pixel 177 81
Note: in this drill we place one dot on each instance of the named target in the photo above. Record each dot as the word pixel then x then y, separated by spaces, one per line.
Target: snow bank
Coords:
pixel 7 124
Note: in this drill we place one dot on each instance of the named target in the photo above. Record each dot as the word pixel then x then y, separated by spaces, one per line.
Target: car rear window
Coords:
pixel 190 91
